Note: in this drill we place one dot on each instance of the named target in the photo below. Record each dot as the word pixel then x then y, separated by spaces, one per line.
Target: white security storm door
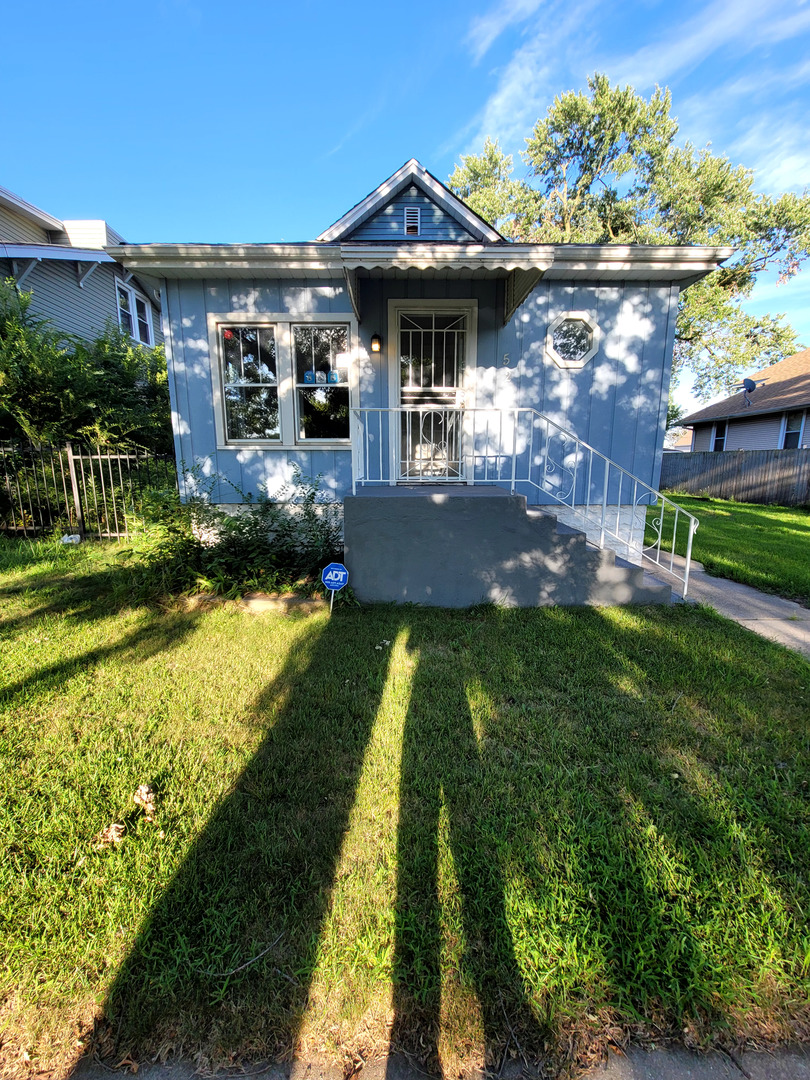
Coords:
pixel 432 354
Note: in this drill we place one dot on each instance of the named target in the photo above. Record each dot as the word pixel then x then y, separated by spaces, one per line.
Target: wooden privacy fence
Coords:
pixel 758 476
pixel 92 491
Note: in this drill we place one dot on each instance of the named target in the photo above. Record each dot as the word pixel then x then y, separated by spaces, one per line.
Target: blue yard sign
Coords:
pixel 334 577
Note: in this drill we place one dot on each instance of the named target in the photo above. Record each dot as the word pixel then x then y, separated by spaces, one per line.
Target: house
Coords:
pixel 75 284
pixel 774 416
pixel 449 386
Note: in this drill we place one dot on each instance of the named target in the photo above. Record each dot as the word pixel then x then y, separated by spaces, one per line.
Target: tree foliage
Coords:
pixel 54 386
pixel 605 168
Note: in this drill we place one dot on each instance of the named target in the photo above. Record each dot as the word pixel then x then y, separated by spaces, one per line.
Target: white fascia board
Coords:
pixel 558 261
pixel 28 210
pixel 54 252
pixel 160 260
pixel 409 172
pixel 673 262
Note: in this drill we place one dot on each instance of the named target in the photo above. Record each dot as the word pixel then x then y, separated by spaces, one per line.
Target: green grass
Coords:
pixel 767 547
pixel 460 832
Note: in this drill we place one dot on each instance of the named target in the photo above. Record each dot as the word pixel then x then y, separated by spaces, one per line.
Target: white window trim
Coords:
pixel 282 322
pixel 715 425
pixel 133 295
pixel 783 429
pixel 596 337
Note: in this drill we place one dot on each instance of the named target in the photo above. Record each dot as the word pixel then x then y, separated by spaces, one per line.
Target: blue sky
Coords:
pixel 187 120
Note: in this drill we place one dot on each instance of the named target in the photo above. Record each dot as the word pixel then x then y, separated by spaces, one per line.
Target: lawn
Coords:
pixel 467 834
pixel 764 546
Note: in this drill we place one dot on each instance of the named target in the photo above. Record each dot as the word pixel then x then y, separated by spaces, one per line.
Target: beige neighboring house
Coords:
pixel 777 418
pixel 75 284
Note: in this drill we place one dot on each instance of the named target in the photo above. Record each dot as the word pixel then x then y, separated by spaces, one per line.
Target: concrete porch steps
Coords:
pixel 447 546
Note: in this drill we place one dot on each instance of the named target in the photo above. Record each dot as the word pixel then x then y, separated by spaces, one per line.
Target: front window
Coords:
pixel 321 381
pixel 134 314
pixel 719 435
pixel 250 382
pixel 281 381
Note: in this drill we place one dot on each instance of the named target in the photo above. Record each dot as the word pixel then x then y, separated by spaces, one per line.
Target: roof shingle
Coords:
pixel 786 386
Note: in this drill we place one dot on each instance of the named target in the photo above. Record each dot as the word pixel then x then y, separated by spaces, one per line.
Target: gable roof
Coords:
pixel 786 386
pixel 412 173
pixel 29 211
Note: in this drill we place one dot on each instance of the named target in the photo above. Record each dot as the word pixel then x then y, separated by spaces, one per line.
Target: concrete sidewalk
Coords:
pixel 772 617
pixel 672 1063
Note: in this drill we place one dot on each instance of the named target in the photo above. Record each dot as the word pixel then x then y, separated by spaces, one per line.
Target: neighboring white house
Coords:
pixel 75 284
pixel 774 416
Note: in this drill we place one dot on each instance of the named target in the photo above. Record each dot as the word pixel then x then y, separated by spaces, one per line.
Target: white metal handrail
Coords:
pixel 525 451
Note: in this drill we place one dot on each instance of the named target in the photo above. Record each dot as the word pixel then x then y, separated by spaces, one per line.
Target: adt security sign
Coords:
pixel 334 577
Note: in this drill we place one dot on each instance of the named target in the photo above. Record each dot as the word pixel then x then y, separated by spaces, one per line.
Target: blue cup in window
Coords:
pixel 333 377
pixel 309 376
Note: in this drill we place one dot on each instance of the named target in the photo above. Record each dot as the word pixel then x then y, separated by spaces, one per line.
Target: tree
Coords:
pixel 55 387
pixel 604 168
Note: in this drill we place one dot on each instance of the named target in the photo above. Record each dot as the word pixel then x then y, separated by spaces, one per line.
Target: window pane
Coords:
pixel 142 313
pixel 572 339
pixel 125 315
pixel 323 413
pixel 251 412
pixel 793 430
pixel 791 440
pixel 321 354
pixel 249 355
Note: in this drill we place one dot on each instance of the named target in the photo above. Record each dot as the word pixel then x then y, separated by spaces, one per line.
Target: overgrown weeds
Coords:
pixel 181 548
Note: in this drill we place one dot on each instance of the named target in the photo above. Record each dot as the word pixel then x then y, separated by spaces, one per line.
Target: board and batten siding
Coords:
pixel 388 224
pixel 617 402
pixel 244 469
pixel 83 311
pixel 15 229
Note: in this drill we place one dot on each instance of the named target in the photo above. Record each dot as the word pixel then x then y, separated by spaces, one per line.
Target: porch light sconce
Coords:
pixel 376 343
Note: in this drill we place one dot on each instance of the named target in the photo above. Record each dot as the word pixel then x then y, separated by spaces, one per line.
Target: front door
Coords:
pixel 432 353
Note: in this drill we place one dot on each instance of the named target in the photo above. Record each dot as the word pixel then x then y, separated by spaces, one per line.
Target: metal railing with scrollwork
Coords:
pixel 530 454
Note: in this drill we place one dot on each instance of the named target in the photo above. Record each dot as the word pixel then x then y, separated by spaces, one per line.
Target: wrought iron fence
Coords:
pixel 92 491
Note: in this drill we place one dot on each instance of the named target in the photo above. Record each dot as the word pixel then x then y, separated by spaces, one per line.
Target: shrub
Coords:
pixel 182 548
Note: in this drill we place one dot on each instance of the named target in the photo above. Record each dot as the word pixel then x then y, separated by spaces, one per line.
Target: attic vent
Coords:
pixel 412 220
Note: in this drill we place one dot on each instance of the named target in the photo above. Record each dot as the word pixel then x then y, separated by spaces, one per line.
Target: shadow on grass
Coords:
pixel 225 960
pixel 602 828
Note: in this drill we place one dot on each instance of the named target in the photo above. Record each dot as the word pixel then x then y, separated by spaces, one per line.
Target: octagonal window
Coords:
pixel 572 339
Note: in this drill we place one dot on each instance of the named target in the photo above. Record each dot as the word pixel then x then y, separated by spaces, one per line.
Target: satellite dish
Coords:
pixel 749 385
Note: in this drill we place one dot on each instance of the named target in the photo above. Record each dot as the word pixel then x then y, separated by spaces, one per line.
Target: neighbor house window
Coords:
pixel 321 381
pixel 134 314
pixel 793 430
pixel 279 380
pixel 250 382
pixel 719 435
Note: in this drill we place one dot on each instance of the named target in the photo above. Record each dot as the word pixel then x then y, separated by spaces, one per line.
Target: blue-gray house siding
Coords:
pixel 388 226
pixel 616 402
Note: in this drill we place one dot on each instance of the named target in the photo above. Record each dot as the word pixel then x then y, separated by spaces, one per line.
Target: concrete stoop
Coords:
pixel 455 547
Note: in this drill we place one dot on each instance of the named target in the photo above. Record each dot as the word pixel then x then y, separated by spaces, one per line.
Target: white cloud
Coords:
pixel 485 29
pixel 744 22
pixel 531 78
pixel 776 148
